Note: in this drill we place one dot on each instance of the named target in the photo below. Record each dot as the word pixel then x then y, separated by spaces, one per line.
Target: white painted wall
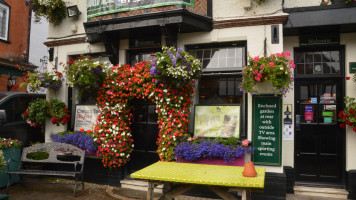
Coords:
pixel 38 35
pixel 349 40
pixel 235 9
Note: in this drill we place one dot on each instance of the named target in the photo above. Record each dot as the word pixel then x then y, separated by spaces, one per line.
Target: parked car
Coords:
pixel 12 125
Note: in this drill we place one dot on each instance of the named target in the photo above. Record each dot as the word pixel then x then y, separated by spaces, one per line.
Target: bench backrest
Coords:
pixel 54 149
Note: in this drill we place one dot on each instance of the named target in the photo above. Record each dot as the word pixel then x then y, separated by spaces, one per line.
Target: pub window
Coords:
pixel 222 66
pixel 4 20
pixel 229 57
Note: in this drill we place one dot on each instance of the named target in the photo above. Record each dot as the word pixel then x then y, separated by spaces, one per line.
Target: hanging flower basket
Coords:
pixel 276 68
pixel 53 10
pixel 38 81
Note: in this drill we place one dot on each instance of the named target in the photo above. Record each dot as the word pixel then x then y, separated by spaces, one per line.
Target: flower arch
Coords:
pixel 168 82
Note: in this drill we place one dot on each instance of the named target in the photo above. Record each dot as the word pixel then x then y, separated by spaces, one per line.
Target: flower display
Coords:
pixel 175 66
pixel 7 143
pixel 58 111
pixel 172 92
pixel 325 2
pixel 86 74
pixel 39 80
pixel 81 139
pixel 348 116
pixel 200 148
pixel 40 109
pixel 53 10
pixel 276 68
pixel 36 113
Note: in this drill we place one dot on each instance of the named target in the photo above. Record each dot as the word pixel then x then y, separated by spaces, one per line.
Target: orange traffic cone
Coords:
pixel 249 170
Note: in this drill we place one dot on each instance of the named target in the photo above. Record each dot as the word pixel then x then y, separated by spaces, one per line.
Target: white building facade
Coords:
pixel 313 149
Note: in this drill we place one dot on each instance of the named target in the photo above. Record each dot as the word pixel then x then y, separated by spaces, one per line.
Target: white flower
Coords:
pixel 281 68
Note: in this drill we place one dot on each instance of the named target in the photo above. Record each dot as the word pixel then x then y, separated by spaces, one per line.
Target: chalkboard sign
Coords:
pixel 266 129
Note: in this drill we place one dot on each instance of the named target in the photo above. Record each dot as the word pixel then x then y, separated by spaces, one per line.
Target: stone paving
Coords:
pixel 92 191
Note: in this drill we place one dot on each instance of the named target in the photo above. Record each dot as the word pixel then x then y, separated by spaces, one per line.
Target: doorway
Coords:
pixel 319 141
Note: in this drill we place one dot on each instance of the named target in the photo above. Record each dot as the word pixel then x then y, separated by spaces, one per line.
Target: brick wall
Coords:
pixel 18 31
pixel 200 7
pixel 4 82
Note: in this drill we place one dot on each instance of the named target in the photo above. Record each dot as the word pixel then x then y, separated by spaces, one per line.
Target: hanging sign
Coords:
pixel 266 129
pixel 352 67
pixel 85 117
pixel 104 7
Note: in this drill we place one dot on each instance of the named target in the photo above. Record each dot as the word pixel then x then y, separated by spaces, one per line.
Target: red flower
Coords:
pixel 352 111
pixel 354 128
pixel 54 120
pixel 81 130
pixel 342 125
pixel 64 121
pixel 65 109
pixel 348 123
pixel 341 113
pixel 25 114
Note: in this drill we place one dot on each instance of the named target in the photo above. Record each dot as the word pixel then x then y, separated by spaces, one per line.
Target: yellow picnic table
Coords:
pixel 215 177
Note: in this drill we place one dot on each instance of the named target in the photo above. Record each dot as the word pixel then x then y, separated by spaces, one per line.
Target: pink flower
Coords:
pixel 257 78
pixel 202 135
pixel 190 139
pixel 287 53
pixel 245 143
pixel 271 64
pixel 256 58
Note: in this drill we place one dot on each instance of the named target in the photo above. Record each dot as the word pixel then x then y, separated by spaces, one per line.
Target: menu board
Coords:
pixel 217 120
pixel 266 129
pixel 85 117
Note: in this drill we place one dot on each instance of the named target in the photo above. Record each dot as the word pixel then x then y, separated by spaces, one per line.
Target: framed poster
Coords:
pixel 85 116
pixel 217 120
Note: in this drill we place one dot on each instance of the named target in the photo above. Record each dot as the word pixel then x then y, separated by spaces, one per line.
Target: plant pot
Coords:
pixel 10 153
pixel 265 87
pixel 249 170
pixel 215 161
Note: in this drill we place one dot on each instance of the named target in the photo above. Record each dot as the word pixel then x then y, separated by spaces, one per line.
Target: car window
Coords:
pixel 9 107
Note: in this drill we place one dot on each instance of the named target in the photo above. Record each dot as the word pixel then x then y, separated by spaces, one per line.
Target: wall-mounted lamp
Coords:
pixel 73 11
pixel 12 82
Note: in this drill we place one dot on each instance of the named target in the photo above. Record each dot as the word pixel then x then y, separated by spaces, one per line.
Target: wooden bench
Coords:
pixel 59 154
pixel 185 176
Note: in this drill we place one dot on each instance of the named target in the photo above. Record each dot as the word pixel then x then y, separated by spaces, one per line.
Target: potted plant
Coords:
pixel 2 161
pixel 276 68
pixel 53 10
pixel 82 139
pixel 39 80
pixel 86 74
pixel 217 151
pixel 11 150
pixel 348 116
pixel 40 109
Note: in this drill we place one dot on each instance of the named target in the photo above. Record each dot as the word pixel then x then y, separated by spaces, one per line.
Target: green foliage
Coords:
pixel 38 155
pixel 86 74
pixel 40 109
pixel 36 113
pixel 54 10
pixel 276 68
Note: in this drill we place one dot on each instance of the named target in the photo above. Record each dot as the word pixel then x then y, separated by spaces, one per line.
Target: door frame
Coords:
pixel 341 76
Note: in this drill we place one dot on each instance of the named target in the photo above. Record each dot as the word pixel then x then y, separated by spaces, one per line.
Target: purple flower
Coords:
pixel 153 71
pixel 42 80
pixel 40 76
pixel 47 84
pixel 171 55
pixel 178 55
pixel 180 49
pixel 169 52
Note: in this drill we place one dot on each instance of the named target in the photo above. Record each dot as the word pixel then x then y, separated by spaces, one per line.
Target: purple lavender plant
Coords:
pixel 78 138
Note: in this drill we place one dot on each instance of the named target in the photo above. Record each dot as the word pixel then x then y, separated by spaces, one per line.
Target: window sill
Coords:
pixel 5 41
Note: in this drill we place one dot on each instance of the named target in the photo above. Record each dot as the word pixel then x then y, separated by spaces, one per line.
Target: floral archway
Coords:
pixel 168 81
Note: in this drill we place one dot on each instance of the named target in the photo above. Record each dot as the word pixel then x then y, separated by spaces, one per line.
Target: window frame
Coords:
pixel 5 5
pixel 242 44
